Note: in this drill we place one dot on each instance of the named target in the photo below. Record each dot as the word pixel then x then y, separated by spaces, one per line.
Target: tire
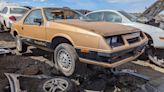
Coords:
pixel 67 61
pixel 20 46
pixel 56 84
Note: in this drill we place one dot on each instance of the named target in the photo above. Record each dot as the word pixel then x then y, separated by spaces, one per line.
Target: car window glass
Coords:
pixel 129 16
pixel 58 14
pixel 112 17
pixel 96 16
pixel 36 14
pixel 18 11
pixel 5 10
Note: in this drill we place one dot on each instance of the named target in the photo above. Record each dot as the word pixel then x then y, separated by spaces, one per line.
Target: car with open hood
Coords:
pixel 76 40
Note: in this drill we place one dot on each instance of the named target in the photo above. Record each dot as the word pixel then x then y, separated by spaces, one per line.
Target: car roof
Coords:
pixel 50 8
pixel 107 10
pixel 16 6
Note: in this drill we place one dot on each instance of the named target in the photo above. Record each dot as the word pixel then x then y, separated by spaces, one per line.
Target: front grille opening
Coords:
pixel 116 42
pixel 133 40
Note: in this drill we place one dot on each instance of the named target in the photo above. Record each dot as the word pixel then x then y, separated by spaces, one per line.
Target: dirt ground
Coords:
pixel 32 63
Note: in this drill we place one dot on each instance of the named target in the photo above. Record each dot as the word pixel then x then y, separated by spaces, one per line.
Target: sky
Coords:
pixel 133 6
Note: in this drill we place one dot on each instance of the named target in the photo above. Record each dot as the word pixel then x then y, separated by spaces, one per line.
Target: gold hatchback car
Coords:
pixel 76 40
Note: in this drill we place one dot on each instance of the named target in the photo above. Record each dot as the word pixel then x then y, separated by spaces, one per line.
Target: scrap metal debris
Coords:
pixel 17 85
pixel 4 51
pixel 39 83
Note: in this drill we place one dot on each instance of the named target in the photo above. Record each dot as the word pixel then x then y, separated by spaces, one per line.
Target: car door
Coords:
pixel 97 16
pixel 112 17
pixel 33 30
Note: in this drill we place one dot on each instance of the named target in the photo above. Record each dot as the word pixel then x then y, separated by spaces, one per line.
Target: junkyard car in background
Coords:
pixel 155 50
pixel 9 14
pixel 75 40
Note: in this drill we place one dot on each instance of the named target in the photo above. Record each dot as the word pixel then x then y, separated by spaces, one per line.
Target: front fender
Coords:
pixel 64 36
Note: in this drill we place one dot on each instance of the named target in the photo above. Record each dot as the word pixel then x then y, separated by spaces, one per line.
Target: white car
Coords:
pixel 155 50
pixel 9 14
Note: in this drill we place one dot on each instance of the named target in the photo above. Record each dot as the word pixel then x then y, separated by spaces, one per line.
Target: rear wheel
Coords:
pixel 20 46
pixel 67 60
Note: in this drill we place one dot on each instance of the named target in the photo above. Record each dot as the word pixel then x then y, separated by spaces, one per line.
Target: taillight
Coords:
pixel 12 18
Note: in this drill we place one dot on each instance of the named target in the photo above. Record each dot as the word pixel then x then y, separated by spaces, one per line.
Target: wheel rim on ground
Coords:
pixel 64 60
pixel 55 85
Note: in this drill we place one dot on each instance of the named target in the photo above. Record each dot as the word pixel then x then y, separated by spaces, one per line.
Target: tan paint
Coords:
pixel 88 36
pixel 113 65
pixel 102 28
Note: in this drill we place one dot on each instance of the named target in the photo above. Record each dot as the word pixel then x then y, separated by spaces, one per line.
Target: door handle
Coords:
pixel 22 28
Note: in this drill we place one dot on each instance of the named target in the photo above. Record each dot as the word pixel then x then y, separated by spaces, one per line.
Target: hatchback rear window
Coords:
pixel 18 11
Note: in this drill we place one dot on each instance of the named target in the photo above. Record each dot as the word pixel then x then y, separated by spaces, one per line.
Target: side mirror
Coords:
pixel 38 21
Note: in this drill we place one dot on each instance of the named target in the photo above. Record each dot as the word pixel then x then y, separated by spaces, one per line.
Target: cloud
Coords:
pixel 80 3
pixel 25 2
pixel 40 0
pixel 124 1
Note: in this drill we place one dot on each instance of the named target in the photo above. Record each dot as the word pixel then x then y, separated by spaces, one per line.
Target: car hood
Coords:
pixel 102 28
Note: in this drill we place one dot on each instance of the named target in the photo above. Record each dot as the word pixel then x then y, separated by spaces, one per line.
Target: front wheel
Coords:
pixel 20 46
pixel 67 60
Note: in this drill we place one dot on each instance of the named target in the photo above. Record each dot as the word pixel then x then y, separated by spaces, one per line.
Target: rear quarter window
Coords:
pixel 18 11
pixel 98 16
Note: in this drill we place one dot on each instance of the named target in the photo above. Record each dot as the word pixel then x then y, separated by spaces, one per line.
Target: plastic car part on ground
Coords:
pixel 42 83
pixel 156 85
pixel 39 83
pixel 4 51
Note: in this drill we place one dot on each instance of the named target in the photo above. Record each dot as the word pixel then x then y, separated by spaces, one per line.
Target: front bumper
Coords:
pixel 111 60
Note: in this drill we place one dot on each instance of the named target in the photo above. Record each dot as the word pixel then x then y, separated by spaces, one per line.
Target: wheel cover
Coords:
pixel 64 60
pixel 55 85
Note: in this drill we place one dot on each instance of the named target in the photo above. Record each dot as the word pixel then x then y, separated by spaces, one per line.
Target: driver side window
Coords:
pixel 98 16
pixel 35 14
pixel 112 17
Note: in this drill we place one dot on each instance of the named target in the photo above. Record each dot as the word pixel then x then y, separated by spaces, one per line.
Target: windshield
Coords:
pixel 18 11
pixel 58 14
pixel 129 16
